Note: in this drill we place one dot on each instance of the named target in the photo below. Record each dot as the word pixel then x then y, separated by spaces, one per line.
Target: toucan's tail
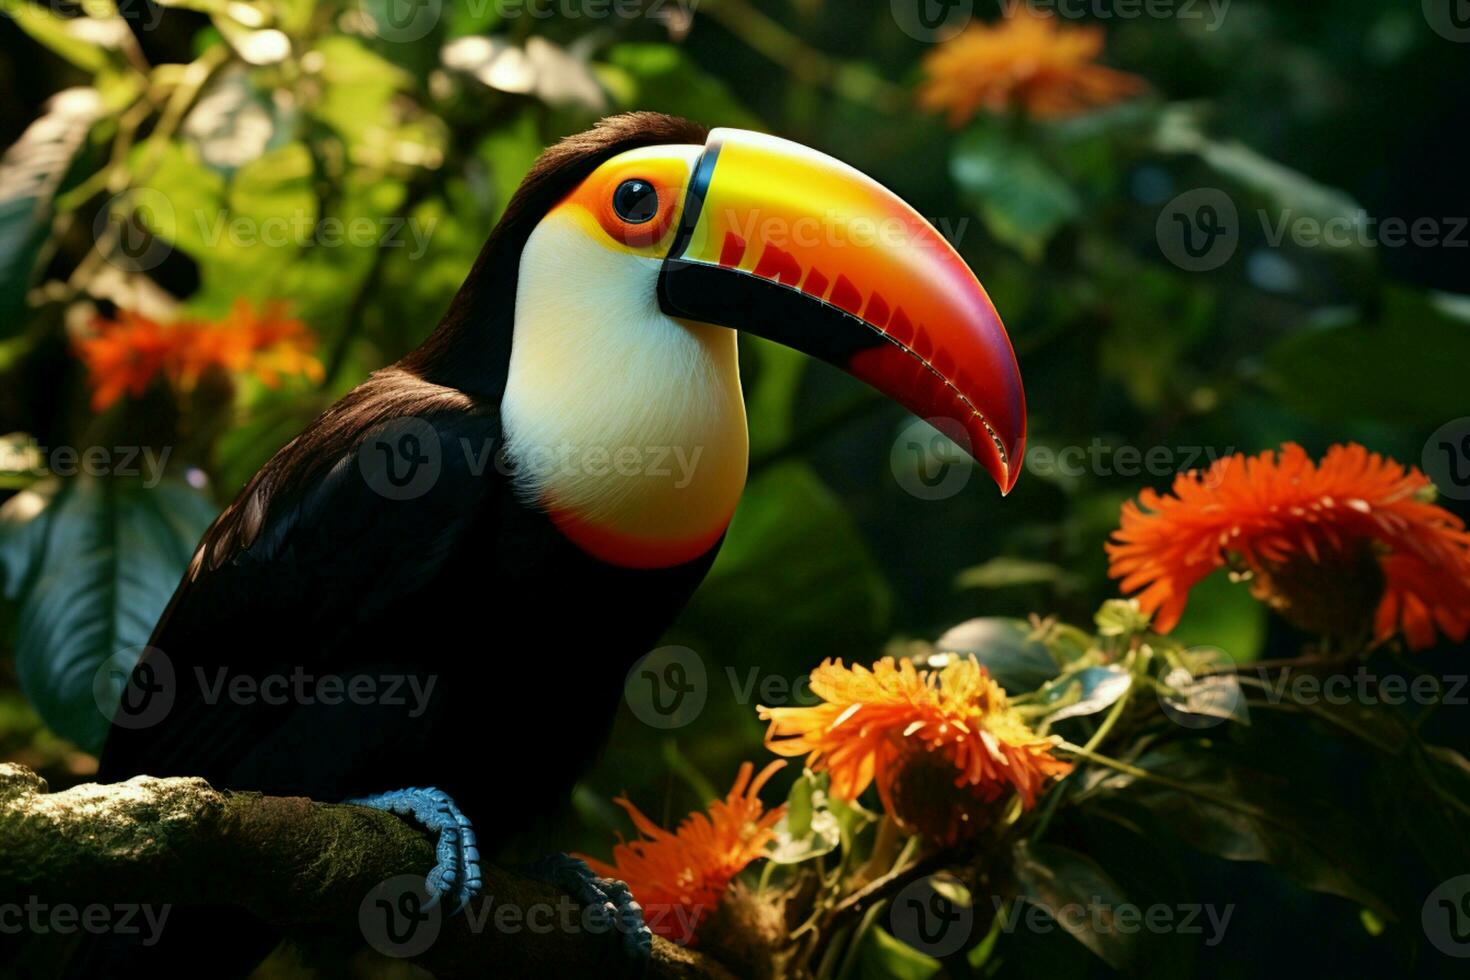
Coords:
pixel 214 940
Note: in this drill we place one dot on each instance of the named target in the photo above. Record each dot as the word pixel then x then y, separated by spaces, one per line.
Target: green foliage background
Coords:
pixel 1291 110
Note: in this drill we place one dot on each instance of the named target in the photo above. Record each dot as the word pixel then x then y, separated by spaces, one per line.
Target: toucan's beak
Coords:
pixel 792 245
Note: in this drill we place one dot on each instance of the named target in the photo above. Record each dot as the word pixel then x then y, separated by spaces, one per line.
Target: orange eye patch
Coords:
pixel 662 179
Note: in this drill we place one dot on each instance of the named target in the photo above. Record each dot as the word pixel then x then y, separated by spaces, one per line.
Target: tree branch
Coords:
pixel 296 863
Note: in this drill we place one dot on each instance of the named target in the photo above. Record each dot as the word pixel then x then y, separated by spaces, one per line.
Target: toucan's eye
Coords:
pixel 635 201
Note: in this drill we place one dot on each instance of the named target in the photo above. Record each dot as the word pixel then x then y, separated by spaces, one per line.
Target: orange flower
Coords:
pixel 126 355
pixel 1028 61
pixel 680 877
pixel 899 726
pixel 1325 543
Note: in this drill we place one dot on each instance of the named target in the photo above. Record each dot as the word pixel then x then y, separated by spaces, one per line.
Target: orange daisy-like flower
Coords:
pixel 1325 543
pixel 680 877
pixel 1028 61
pixel 921 735
pixel 126 355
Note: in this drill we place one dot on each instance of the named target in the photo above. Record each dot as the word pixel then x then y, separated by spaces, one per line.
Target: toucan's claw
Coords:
pixel 457 853
pixel 615 898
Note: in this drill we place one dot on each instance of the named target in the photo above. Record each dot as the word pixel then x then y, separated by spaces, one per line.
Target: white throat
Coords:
pixel 626 425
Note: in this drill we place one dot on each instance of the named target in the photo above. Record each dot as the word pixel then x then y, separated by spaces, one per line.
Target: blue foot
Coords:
pixel 614 897
pixel 458 870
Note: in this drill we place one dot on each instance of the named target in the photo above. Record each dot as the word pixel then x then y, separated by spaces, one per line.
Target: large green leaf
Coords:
pixel 30 174
pixel 794 576
pixel 91 563
pixel 1405 365
pixel 1064 882
pixel 1004 647
pixel 1241 813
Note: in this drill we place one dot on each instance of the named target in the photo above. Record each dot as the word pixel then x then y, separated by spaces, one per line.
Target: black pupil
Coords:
pixel 635 201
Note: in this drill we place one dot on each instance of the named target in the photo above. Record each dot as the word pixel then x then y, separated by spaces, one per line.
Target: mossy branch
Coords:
pixel 294 862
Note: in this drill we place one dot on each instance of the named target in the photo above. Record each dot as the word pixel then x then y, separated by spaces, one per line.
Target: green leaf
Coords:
pixel 793 574
pixel 182 201
pixel 91 563
pixel 358 89
pixel 31 172
pixel 510 150
pixel 60 34
pixel 799 805
pixel 770 404
pixel 1203 690
pixel 1022 200
pixel 1005 648
pixel 1079 693
pixel 822 837
pixel 1120 617
pixel 1404 365
pixel 1247 814
pixel 1056 878
pixel 885 958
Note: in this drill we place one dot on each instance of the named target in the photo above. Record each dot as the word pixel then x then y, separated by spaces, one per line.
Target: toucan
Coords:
pixel 486 521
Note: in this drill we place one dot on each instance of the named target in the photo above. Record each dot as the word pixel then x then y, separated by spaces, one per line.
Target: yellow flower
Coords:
pixel 680 877
pixel 936 742
pixel 1028 61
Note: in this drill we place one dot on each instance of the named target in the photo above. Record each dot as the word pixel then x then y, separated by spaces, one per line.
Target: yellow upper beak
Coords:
pixel 790 244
